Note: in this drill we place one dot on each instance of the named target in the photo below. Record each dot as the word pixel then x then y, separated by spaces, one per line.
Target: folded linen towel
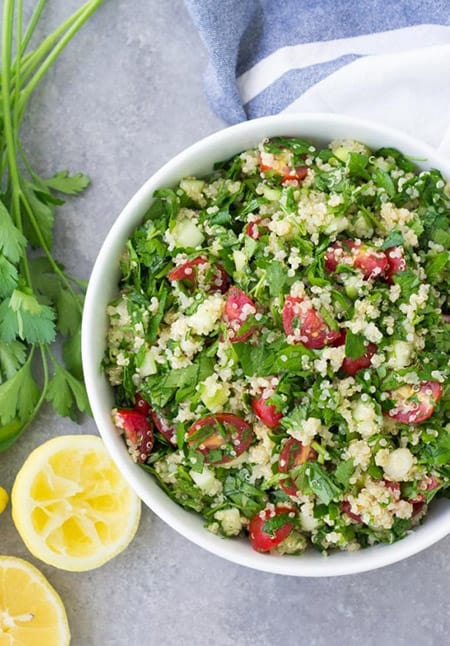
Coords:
pixel 388 62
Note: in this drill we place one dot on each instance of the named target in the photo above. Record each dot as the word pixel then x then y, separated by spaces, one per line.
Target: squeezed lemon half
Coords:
pixel 71 505
pixel 31 611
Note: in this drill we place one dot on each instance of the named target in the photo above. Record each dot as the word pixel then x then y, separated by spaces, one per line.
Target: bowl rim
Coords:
pixel 437 525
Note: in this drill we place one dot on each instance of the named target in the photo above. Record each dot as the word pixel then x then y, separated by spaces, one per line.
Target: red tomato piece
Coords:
pixel 263 541
pixel 138 432
pixel 346 508
pixel 267 413
pixel 292 455
pixel 370 261
pixel 279 164
pixel 396 263
pixel 306 325
pixel 352 366
pixel 164 427
pixel 238 308
pixel 189 273
pixel 141 405
pixel 414 403
pixel 393 486
pixel 428 484
pixel 255 229
pixel 225 432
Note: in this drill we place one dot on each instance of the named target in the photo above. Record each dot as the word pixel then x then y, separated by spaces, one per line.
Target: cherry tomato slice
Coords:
pixel 141 405
pixel 396 263
pixel 238 308
pixel 346 508
pixel 292 455
pixel 263 541
pixel 306 325
pixel 163 426
pixel 352 366
pixel 414 404
pixel 138 431
pixel 220 438
pixel 280 166
pixel 188 272
pixel 255 229
pixel 267 413
pixel 370 261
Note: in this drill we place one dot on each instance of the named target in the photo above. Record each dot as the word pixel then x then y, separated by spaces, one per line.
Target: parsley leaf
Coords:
pixel 354 345
pixel 344 472
pixel 66 393
pixel 24 317
pixel 68 184
pixel 19 394
pixel 394 239
pixel 12 241
pixel 311 477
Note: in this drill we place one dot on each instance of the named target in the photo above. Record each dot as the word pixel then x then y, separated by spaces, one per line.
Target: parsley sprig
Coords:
pixel 39 300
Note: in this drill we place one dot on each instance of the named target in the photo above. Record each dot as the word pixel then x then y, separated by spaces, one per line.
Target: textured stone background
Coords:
pixel 125 97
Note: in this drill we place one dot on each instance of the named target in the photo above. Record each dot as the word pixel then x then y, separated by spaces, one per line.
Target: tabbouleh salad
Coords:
pixel 279 346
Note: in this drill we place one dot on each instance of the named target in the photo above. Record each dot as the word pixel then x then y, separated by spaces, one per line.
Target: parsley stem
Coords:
pixel 10 138
pixel 54 265
pixel 87 10
pixel 32 60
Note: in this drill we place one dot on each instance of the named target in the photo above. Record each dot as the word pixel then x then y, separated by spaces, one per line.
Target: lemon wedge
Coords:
pixel 31 611
pixel 71 505
pixel 3 499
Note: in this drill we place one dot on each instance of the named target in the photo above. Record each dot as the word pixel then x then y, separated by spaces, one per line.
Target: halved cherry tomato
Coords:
pixel 396 263
pixel 428 484
pixel 306 325
pixel 352 366
pixel 267 413
pixel 346 508
pixel 393 486
pixel 370 261
pixel 224 433
pixel 255 229
pixel 138 431
pixel 188 272
pixel 414 403
pixel 280 166
pixel 141 405
pixel 292 455
pixel 263 541
pixel 164 427
pixel 238 308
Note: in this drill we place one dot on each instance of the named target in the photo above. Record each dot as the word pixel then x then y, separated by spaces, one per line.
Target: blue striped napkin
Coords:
pixel 388 61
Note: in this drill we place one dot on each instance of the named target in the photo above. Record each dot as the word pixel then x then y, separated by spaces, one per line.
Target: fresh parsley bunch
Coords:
pixel 39 301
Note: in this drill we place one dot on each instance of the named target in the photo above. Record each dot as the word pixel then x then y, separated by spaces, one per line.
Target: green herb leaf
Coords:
pixel 344 472
pixel 68 184
pixel 394 239
pixel 66 393
pixel 354 345
pixel 18 395
pixel 311 476
pixel 12 241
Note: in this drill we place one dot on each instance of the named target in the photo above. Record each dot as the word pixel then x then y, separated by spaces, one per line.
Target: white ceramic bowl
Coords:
pixel 198 160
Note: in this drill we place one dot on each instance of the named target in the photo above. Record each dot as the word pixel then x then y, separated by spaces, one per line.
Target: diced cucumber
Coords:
pixel 193 188
pixel 214 395
pixel 400 354
pixel 240 260
pixel 206 481
pixel 271 194
pixel 187 234
pixel 148 366
pixel 342 153
pixel 352 286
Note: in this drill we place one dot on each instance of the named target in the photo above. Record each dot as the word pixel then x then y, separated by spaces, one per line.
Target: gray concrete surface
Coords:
pixel 126 96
